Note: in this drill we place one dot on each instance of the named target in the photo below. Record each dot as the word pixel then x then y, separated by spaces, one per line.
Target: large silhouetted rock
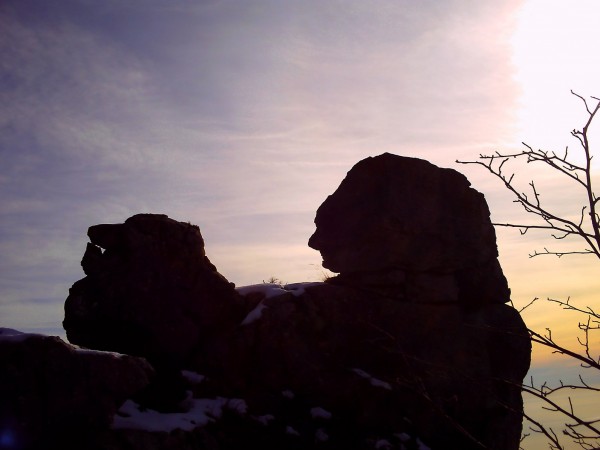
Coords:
pixel 55 395
pixel 415 229
pixel 412 337
pixel 411 342
pixel 151 292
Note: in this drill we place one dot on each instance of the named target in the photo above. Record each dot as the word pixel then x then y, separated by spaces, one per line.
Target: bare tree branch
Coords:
pixel 585 229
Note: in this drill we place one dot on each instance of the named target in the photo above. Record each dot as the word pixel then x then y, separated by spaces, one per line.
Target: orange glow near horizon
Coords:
pixel 554 52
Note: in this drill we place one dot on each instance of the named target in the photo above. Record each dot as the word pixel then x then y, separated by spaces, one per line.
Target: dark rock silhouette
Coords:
pixel 414 327
pixel 382 366
pixel 411 341
pixel 54 395
pixel 152 292
pixel 413 229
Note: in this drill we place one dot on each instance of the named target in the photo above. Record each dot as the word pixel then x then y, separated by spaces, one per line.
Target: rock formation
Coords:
pixel 447 374
pixel 405 224
pixel 150 291
pixel 413 330
pixel 55 395
pixel 410 346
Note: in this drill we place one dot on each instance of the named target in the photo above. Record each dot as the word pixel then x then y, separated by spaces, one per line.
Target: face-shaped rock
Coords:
pixel 394 212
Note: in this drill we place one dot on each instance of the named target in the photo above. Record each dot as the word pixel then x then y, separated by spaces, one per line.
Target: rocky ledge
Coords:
pixel 411 345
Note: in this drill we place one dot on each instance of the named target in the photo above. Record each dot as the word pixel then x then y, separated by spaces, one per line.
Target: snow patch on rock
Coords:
pixel 201 411
pixel 374 381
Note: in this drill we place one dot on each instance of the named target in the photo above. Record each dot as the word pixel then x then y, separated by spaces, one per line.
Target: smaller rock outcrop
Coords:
pixel 55 395
pixel 150 291
pixel 411 344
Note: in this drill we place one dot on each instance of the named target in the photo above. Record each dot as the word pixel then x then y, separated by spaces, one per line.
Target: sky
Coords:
pixel 241 117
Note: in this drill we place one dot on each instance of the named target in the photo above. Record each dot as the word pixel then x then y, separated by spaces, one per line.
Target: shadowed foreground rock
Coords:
pixel 411 344
pixel 55 395
pixel 447 374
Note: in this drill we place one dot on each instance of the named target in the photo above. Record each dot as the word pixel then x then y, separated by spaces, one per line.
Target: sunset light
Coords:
pixel 555 47
pixel 243 117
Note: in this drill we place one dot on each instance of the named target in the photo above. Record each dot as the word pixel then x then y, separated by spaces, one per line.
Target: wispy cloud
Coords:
pixel 238 116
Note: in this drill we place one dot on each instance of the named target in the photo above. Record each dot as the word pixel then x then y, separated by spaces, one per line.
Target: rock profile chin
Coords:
pixel 411 345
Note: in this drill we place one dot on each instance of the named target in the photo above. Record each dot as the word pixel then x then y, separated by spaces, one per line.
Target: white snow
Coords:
pixel 288 394
pixel 192 377
pixel 88 351
pixel 265 420
pixel 273 290
pixel 320 413
pixel 361 373
pixel 268 289
pixel 374 381
pixel 201 411
pixel 380 383
pixel 8 334
pixel 421 446
pixel 238 405
pixel 292 431
pixel 255 314
pixel 297 289
pixel 383 444
pixel 321 435
pixel 404 437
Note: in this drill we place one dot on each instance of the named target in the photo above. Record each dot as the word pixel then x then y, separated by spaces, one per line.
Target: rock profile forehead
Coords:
pixel 401 212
